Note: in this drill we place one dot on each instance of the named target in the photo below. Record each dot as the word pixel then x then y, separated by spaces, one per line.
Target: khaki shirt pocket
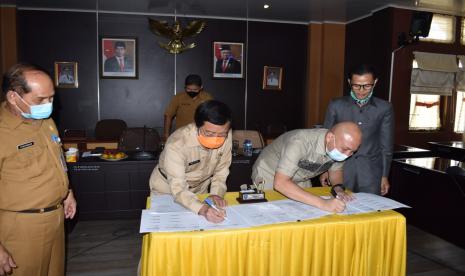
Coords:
pixel 25 163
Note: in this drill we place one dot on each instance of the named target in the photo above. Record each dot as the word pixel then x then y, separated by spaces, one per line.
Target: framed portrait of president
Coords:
pixel 118 57
pixel 228 60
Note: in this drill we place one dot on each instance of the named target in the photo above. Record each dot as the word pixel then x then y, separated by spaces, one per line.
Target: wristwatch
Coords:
pixel 333 192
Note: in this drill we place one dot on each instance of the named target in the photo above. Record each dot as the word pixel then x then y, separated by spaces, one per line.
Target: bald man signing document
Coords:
pixel 288 164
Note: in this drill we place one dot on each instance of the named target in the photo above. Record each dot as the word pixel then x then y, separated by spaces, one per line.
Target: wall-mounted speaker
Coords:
pixel 421 23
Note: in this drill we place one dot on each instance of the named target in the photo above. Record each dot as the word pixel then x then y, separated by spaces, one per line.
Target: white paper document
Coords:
pixel 165 204
pixel 365 203
pixel 168 222
pixel 166 215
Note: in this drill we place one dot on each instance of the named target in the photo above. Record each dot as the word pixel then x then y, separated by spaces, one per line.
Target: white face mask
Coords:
pixel 38 112
pixel 335 154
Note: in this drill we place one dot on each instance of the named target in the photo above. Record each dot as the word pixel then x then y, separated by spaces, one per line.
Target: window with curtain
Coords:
pixel 442 29
pixel 459 123
pixel 424 112
pixel 433 76
pixel 459 118
pixel 462 32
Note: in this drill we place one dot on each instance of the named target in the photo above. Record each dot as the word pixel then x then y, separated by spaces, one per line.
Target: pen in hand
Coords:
pixel 210 203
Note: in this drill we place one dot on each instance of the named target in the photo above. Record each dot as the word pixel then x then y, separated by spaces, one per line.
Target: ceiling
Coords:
pixel 298 11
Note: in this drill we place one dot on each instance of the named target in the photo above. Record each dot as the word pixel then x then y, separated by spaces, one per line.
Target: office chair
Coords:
pixel 74 133
pixel 140 139
pixel 458 177
pixel 109 129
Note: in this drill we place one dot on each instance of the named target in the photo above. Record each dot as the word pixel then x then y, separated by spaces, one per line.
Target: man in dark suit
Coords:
pixel 368 169
pixel 119 62
pixel 227 63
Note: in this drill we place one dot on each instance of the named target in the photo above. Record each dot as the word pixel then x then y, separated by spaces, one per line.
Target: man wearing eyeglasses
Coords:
pixel 368 169
pixel 183 105
pixel 196 157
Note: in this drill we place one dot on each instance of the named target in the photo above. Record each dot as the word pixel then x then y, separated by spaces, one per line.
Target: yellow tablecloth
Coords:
pixel 364 244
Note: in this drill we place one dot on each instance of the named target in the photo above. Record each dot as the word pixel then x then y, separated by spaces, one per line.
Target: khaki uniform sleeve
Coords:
pixel 176 177
pixel 172 107
pixel 337 166
pixel 218 185
pixel 292 151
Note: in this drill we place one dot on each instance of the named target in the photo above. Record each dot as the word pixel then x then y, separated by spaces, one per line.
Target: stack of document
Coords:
pixel 166 215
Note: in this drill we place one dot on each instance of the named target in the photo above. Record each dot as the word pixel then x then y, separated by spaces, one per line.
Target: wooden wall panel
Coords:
pixel 8 46
pixel 325 69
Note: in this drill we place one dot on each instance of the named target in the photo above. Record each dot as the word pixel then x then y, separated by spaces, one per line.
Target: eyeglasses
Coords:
pixel 367 86
pixel 208 133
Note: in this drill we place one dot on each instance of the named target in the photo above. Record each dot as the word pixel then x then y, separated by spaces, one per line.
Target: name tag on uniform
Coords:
pixel 56 139
pixel 23 146
pixel 193 162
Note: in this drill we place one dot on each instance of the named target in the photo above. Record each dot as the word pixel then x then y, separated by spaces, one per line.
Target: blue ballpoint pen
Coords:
pixel 212 204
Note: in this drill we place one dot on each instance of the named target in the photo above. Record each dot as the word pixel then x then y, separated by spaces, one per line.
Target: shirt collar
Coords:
pixel 371 101
pixel 192 141
pixel 13 121
pixel 9 119
pixel 321 142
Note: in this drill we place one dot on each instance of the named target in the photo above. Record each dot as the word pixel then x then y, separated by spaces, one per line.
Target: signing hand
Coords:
pixel 342 195
pixel 219 201
pixel 211 214
pixel 333 205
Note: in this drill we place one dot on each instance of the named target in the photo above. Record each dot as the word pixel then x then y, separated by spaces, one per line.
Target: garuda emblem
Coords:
pixel 176 34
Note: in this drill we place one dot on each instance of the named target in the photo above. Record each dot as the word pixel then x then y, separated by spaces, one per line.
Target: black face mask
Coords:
pixel 192 94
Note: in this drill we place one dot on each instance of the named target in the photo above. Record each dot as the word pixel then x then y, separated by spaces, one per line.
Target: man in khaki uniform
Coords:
pixel 296 156
pixel 34 194
pixel 197 157
pixel 183 105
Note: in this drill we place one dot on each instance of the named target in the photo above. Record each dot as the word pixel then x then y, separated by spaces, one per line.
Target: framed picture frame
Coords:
pixel 66 74
pixel 272 78
pixel 228 60
pixel 118 57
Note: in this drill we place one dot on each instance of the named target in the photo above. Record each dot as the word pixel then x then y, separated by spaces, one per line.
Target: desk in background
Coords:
pixel 437 199
pixel 364 244
pixel 84 144
pixel 110 189
pixel 403 151
pixel 452 150
pixel 119 189
pixel 240 172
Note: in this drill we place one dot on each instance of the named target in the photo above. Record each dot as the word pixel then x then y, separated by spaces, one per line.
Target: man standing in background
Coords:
pixel 368 169
pixel 183 105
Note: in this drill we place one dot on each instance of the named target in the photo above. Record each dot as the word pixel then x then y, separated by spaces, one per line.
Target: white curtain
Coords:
pixel 435 74
pixel 436 62
pixel 461 74
pixel 459 124
pixel 424 112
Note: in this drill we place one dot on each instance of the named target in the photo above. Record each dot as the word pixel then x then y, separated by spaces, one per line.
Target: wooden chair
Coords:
pixel 109 129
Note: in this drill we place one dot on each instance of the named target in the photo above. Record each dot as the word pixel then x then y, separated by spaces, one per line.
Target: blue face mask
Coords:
pixel 361 101
pixel 335 154
pixel 38 112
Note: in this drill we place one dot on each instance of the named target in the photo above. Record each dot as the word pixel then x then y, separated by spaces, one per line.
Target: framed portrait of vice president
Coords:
pixel 228 60
pixel 118 57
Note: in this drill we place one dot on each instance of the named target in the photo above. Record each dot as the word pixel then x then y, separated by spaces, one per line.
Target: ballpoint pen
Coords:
pixel 210 203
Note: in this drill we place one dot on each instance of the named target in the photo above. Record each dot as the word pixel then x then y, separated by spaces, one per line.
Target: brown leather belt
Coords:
pixel 42 210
